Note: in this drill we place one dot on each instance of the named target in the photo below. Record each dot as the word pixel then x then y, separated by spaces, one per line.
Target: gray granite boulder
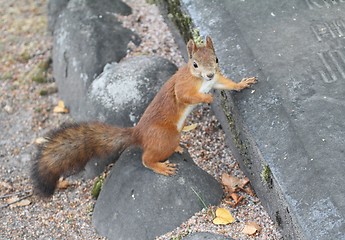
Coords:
pixel 122 92
pixel 55 7
pixel 136 203
pixel 87 36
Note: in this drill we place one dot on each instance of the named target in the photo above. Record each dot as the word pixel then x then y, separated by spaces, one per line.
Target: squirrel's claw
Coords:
pixel 165 168
pixel 246 82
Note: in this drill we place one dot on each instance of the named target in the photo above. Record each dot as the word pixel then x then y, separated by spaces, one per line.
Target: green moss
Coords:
pixel 266 174
pixel 24 56
pixel 97 187
pixel 38 110
pixel 39 72
pixel 182 21
pixel 44 65
pixel 6 76
pixel 178 237
pixel 43 92
pixel 39 77
pixel 235 133
pixel 197 38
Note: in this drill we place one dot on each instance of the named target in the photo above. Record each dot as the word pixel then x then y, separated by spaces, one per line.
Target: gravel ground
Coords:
pixel 27 97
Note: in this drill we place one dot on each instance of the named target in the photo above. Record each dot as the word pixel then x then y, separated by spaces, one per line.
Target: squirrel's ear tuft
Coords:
pixel 191 48
pixel 209 43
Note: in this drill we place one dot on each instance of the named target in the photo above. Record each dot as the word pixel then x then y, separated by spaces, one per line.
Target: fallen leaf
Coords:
pixel 237 199
pixel 12 200
pixel 63 184
pixel 231 183
pixel 249 191
pixel 60 108
pixel 16 202
pixel 189 127
pixel 245 182
pixel 223 217
pixel 22 203
pixel 251 228
pixel 246 187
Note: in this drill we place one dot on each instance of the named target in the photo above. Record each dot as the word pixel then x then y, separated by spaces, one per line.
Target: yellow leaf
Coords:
pixel 60 108
pixel 189 127
pixel 223 216
pixel 61 104
pixel 251 228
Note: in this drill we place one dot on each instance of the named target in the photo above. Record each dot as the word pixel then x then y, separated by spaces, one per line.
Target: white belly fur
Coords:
pixel 207 85
pixel 205 88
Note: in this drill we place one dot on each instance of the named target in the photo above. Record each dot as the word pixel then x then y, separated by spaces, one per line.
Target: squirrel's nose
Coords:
pixel 210 75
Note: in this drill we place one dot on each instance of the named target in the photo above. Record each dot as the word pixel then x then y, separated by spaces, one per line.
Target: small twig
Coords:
pixel 18 200
pixel 15 193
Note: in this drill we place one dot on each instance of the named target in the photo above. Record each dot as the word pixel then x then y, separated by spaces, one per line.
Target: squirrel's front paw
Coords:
pixel 249 81
pixel 246 82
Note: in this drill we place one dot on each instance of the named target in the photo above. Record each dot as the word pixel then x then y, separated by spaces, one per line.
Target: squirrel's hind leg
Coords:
pixel 153 160
pixel 157 150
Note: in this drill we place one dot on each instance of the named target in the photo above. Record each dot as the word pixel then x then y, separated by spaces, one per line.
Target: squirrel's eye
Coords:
pixel 216 60
pixel 195 65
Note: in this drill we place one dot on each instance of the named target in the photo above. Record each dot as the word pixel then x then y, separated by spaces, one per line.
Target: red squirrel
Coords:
pixel 70 147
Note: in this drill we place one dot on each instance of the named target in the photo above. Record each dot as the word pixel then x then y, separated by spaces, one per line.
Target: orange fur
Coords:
pixel 157 133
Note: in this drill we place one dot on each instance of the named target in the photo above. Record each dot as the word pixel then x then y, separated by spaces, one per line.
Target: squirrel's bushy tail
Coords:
pixel 70 147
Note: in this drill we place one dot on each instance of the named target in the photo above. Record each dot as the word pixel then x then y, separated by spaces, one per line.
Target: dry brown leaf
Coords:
pixel 249 191
pixel 237 199
pixel 245 181
pixel 246 187
pixel 60 108
pixel 251 228
pixel 234 184
pixel 231 183
pixel 189 127
pixel 223 217
pixel 63 184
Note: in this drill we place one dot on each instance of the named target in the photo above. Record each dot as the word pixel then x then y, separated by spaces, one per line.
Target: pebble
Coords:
pixel 8 109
